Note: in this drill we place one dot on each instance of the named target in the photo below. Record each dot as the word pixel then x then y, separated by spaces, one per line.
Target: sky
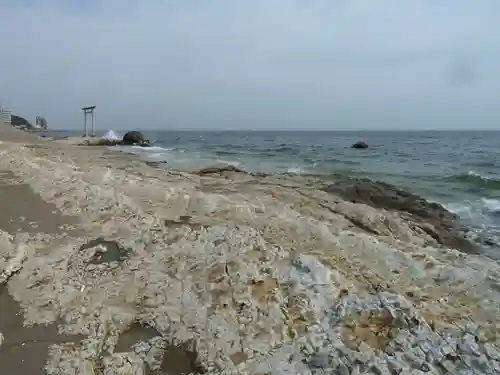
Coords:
pixel 259 64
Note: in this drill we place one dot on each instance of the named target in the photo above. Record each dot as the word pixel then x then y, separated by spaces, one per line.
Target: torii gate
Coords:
pixel 88 111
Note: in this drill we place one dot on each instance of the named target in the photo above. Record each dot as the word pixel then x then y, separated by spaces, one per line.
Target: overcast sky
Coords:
pixel 256 64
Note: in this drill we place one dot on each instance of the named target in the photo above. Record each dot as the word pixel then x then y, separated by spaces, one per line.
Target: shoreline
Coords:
pixel 483 240
pixel 309 267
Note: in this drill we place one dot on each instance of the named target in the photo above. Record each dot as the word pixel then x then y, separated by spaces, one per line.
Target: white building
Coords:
pixel 5 115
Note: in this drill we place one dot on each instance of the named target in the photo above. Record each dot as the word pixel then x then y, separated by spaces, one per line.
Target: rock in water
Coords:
pixel 219 170
pixel 431 217
pixel 133 138
pixel 360 145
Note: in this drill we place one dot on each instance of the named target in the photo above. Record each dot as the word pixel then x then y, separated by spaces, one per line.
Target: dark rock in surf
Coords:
pixel 360 145
pixel 156 164
pixel 432 218
pixel 219 170
pixel 487 241
pixel 133 138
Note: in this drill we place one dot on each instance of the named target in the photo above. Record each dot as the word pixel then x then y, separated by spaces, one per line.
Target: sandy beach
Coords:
pixel 111 266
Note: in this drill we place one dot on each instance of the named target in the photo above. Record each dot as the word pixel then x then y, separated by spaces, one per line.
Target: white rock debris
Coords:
pixel 12 256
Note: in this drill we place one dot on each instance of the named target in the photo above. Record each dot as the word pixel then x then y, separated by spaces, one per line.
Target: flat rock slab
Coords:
pixel 433 218
pixel 24 349
pixel 22 210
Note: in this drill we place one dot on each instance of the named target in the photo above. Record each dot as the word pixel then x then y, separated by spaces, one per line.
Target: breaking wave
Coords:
pixel 477 180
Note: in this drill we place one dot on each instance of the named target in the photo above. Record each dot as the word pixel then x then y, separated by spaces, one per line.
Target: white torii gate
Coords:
pixel 88 111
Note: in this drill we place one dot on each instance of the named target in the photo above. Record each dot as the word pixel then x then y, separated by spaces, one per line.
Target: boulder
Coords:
pixel 433 218
pixel 133 138
pixel 360 145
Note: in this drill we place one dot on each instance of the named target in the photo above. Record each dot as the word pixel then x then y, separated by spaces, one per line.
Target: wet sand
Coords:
pixel 24 349
pixel 24 211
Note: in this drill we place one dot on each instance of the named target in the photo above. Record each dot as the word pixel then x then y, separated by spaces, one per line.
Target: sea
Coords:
pixel 459 169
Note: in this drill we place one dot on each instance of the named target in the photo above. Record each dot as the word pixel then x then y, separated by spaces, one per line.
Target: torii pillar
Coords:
pixel 88 111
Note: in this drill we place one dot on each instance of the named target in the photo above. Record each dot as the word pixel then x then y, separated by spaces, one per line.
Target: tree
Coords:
pixel 41 122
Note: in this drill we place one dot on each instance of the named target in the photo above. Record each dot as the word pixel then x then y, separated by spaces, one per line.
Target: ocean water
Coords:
pixel 460 170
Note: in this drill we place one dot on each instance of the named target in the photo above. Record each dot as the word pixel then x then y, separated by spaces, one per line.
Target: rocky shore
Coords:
pixel 156 271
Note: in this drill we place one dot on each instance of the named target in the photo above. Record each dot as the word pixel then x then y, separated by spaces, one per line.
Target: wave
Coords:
pixel 233 163
pixel 492 206
pixel 111 136
pixel 142 149
pixel 151 149
pixel 285 149
pixel 483 217
pixel 295 170
pixel 227 153
pixel 482 164
pixel 476 179
pixel 151 153
pixel 482 211
pixel 273 151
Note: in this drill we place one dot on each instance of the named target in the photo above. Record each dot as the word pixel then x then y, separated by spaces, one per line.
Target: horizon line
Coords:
pixel 290 130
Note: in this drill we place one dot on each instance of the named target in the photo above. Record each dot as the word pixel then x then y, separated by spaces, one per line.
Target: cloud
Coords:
pixel 258 64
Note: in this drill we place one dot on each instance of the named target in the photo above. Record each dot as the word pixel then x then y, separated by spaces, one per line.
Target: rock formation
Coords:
pixel 360 145
pixel 432 218
pixel 135 138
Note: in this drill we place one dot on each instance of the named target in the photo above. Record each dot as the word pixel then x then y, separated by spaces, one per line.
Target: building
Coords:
pixel 5 115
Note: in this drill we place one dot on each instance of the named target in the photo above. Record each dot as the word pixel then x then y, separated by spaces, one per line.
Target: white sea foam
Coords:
pixel 483 177
pixel 233 163
pixel 491 205
pixel 482 216
pixel 151 149
pixel 111 136
pixel 470 209
pixel 295 170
